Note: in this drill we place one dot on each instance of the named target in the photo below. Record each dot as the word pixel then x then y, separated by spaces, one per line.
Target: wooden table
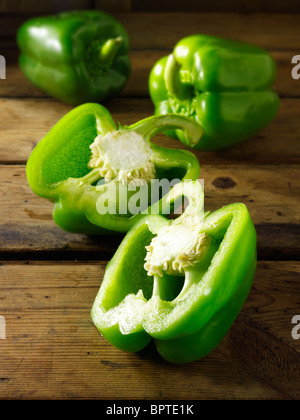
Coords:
pixel 49 279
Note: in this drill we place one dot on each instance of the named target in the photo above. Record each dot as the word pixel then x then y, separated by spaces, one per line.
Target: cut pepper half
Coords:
pixel 102 177
pixel 179 282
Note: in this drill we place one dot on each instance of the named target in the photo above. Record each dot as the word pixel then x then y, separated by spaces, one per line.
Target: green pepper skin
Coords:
pixel 224 85
pixel 57 168
pixel 69 56
pixel 188 328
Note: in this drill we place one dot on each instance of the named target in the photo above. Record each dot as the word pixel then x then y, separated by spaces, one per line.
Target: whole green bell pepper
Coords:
pixel 198 272
pixel 222 84
pixel 76 56
pixel 103 178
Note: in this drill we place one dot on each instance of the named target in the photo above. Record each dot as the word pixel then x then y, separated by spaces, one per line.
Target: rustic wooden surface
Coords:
pixel 49 279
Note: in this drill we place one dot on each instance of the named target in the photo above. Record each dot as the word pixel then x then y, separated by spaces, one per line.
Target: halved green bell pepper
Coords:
pixel 179 282
pixel 95 171
pixel 224 85
pixel 76 56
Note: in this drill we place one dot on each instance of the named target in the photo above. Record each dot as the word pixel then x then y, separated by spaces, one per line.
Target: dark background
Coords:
pixel 228 6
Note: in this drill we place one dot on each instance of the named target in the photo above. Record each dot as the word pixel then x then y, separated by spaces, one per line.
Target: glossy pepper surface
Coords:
pixel 181 283
pixel 99 175
pixel 76 56
pixel 224 85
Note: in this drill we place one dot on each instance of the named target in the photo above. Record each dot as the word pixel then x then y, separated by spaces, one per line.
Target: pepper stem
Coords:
pixel 177 81
pixel 100 54
pixel 151 126
pixel 109 50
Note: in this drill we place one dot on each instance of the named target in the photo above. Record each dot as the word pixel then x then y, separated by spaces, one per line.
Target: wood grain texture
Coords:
pixel 52 349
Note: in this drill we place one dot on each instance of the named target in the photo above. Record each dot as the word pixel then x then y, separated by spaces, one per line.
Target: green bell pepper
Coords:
pixel 224 85
pixel 103 178
pixel 198 272
pixel 76 56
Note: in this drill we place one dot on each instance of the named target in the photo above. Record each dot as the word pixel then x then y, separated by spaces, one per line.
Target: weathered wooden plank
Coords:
pixel 50 340
pixel 16 114
pixel 16 85
pixel 154 30
pixel 264 336
pixel 273 201
pixel 24 123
